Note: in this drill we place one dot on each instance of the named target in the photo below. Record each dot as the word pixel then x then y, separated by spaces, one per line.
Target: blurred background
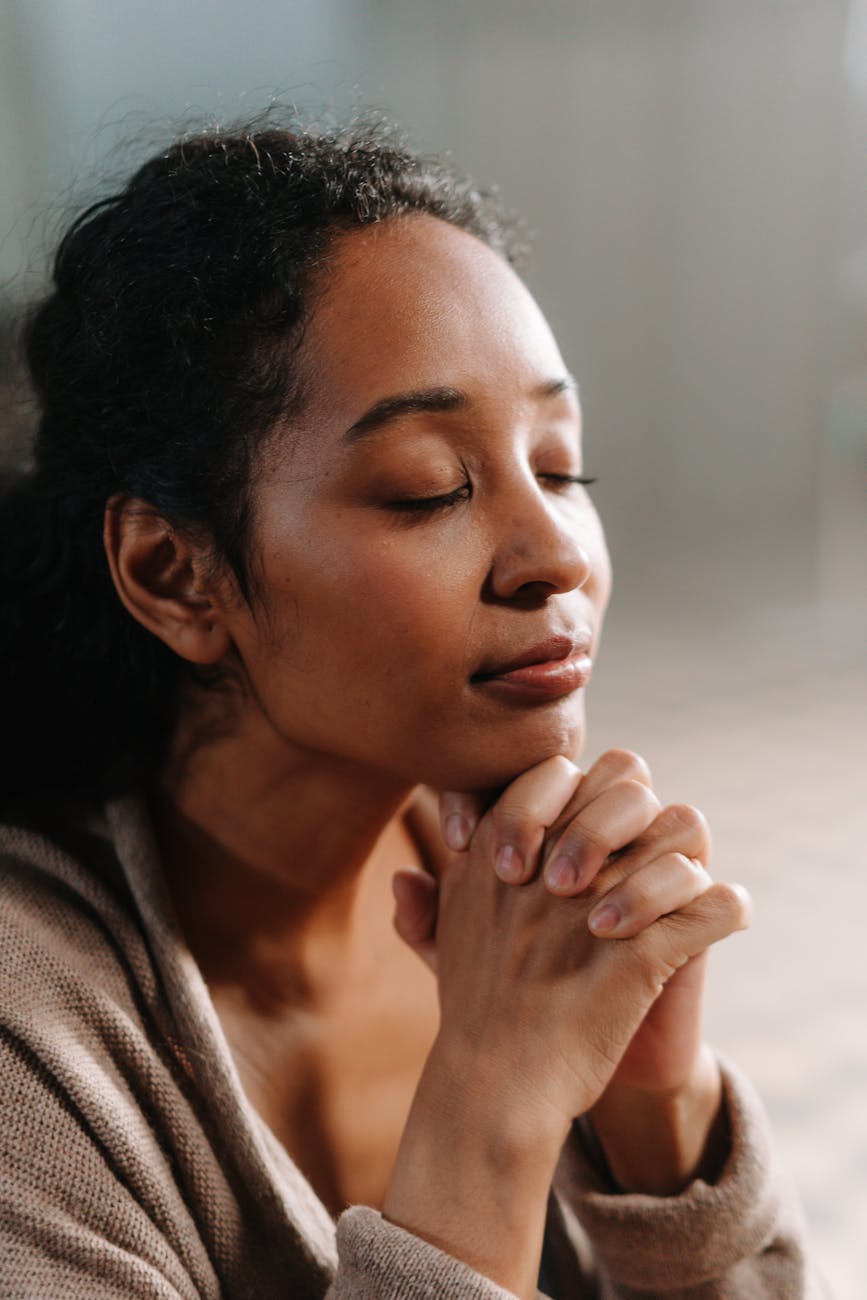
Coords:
pixel 692 173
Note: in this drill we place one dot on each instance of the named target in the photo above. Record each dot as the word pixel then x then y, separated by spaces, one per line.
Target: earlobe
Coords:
pixel 159 575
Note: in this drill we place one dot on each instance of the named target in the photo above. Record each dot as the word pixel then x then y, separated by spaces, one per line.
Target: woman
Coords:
pixel 308 540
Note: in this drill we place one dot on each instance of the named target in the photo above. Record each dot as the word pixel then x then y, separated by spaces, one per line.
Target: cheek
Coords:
pixel 415 613
pixel 384 606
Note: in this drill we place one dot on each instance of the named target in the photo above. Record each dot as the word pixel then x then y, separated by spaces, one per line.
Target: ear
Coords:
pixel 160 576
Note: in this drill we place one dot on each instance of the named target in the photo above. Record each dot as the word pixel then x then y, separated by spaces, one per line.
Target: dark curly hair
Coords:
pixel 160 358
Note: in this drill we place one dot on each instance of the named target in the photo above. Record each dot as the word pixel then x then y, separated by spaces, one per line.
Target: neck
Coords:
pixel 278 859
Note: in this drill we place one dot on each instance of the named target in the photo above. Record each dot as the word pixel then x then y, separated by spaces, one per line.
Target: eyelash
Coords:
pixel 429 505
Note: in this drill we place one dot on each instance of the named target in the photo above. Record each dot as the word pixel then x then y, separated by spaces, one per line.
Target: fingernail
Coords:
pixel 572 854
pixel 561 874
pixel 606 919
pixel 456 832
pixel 508 864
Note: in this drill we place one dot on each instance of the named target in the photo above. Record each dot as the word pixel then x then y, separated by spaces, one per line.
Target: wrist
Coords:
pixel 464 1086
pixel 658 1141
pixel 473 1178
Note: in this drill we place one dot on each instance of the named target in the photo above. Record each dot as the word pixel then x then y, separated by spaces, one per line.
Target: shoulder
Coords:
pixel 129 1166
pixel 76 976
pixel 89 1160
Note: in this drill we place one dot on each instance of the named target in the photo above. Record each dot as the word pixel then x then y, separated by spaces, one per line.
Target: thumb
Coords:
pixel 460 814
pixel 416 895
pixel 718 912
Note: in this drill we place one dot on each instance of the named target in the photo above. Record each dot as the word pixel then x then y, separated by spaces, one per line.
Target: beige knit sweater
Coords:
pixel 132 1165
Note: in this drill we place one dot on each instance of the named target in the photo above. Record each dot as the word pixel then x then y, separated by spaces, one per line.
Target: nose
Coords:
pixel 538 552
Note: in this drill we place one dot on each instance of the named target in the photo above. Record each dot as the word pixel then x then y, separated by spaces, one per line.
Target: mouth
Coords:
pixel 551 669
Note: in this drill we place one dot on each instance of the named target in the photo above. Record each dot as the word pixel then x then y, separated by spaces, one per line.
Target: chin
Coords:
pixel 493 761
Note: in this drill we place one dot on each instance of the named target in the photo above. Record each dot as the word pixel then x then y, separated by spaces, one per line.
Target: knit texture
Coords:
pixel 132 1164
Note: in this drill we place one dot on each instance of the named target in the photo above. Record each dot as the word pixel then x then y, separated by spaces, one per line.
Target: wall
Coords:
pixel 678 162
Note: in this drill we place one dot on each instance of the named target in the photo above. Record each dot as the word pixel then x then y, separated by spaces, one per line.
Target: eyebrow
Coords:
pixel 389 409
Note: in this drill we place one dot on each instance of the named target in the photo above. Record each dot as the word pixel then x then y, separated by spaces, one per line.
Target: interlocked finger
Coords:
pixel 607 824
pixel 638 898
pixel 612 767
pixel 679 828
pixel 718 912
pixel 517 824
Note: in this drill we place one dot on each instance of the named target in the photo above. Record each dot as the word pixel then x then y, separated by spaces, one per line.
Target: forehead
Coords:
pixel 415 302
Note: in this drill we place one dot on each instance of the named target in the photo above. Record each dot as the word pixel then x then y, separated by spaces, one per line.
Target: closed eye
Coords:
pixel 567 479
pixel 429 505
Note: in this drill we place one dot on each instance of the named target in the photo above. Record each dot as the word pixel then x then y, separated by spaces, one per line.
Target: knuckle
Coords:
pixel 638 894
pixel 638 797
pixel 509 827
pixel 515 824
pixel 562 765
pixel 642 794
pixel 626 764
pixel 690 818
pixel 657 957
pixel 733 902
pixel 519 815
pixel 693 868
pixel 579 837
pixel 596 827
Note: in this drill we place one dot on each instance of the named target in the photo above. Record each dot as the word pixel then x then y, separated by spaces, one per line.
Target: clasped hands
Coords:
pixel 568 933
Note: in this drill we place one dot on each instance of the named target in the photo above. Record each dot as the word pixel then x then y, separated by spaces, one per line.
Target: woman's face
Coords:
pixel 412 529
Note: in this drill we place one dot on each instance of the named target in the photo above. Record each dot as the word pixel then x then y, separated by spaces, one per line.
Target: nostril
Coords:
pixel 539 572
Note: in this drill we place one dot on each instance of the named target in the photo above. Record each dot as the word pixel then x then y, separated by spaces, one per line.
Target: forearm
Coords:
pixel 659 1142
pixel 472 1177
pixel 738 1233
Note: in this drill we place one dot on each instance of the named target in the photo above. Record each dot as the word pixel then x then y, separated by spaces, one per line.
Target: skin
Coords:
pixel 289 806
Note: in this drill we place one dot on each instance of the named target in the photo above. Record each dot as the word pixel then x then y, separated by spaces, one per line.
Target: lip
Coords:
pixel 552 668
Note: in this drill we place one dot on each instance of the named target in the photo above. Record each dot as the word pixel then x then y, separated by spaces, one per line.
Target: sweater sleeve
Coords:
pixel 381 1261
pixel 741 1238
